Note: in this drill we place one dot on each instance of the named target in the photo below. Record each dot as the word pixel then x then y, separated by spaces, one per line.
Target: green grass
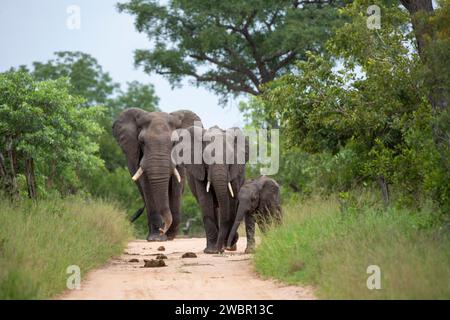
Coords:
pixel 321 245
pixel 39 241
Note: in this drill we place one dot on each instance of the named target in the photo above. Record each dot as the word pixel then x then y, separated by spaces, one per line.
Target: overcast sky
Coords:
pixel 32 30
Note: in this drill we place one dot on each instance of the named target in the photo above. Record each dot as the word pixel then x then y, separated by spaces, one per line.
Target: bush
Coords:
pixel 329 246
pixel 38 241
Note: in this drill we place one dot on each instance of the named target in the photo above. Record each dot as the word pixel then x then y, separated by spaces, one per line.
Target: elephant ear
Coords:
pixel 198 170
pixel 241 152
pixel 187 119
pixel 126 130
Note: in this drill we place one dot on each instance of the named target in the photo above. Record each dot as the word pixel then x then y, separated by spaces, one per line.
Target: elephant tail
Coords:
pixel 137 214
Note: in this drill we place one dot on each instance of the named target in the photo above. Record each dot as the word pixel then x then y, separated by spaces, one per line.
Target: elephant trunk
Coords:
pixel 158 175
pixel 219 181
pixel 239 217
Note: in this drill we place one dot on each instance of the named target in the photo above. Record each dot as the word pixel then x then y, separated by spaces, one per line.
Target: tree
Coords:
pixel 433 46
pixel 86 77
pixel 45 130
pixel 232 46
pixel 137 95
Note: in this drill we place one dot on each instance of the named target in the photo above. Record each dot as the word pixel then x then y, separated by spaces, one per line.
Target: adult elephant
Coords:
pixel 215 180
pixel 259 201
pixel 145 138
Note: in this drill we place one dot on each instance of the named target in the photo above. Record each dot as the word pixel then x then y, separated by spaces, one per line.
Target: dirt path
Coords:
pixel 229 276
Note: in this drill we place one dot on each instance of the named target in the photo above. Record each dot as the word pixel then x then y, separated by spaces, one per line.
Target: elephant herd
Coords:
pixel 159 165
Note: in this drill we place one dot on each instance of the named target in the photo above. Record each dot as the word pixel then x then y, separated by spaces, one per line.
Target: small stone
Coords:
pixel 133 260
pixel 161 256
pixel 161 248
pixel 189 255
pixel 154 263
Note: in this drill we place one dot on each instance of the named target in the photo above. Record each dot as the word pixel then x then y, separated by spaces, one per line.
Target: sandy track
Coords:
pixel 229 276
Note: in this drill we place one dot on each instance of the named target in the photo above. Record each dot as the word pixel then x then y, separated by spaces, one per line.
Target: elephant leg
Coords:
pixel 175 194
pixel 154 220
pixel 250 232
pixel 210 225
pixel 209 212
pixel 224 228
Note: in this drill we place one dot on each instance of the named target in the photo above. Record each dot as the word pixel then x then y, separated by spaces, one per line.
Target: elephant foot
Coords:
pixel 211 250
pixel 250 249
pixel 171 234
pixel 156 237
pixel 232 248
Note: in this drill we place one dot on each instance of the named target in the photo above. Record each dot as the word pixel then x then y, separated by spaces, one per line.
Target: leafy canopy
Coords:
pixel 365 103
pixel 230 46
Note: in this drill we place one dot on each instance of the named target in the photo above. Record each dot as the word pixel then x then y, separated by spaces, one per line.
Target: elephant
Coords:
pixel 145 139
pixel 259 201
pixel 214 181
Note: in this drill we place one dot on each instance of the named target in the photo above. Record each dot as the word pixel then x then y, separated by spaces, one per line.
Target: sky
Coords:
pixel 32 30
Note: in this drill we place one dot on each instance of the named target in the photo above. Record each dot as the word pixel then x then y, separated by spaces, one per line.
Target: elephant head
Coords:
pixel 145 138
pixel 220 171
pixel 259 196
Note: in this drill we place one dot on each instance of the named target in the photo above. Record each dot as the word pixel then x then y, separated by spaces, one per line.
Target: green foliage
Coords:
pixel 48 124
pixel 190 210
pixel 362 107
pixel 137 95
pixel 321 244
pixel 38 241
pixel 229 46
pixel 86 77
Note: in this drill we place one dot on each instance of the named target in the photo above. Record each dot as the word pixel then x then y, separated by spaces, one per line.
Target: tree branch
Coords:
pixel 286 61
pixel 238 68
pixel 226 82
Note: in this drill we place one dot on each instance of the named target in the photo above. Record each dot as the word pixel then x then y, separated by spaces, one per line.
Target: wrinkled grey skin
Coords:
pixel 145 138
pixel 217 206
pixel 259 201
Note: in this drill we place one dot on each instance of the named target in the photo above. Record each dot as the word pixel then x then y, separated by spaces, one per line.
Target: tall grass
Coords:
pixel 324 245
pixel 38 241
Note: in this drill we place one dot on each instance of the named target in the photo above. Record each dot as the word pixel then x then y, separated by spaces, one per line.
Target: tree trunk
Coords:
pixel 13 190
pixel 31 181
pixel 384 191
pixel 419 10
pixel 4 180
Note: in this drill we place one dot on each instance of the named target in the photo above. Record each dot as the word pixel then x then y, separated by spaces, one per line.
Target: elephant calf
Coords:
pixel 259 201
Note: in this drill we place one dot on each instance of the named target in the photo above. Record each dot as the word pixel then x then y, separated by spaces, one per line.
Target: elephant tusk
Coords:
pixel 138 174
pixel 177 174
pixel 208 185
pixel 231 189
